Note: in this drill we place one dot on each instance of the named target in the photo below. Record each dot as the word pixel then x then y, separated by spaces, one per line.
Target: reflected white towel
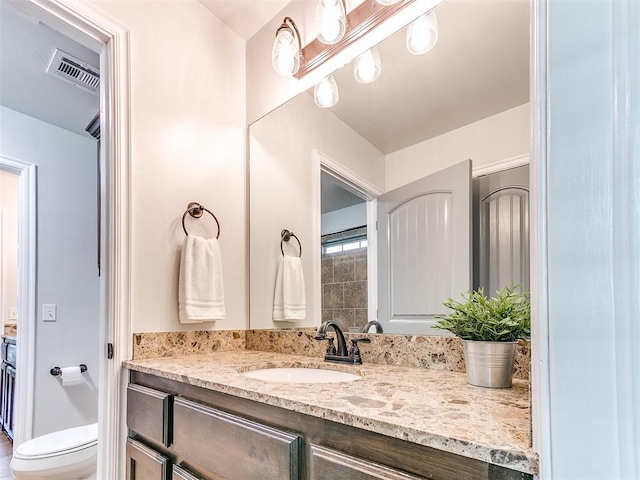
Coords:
pixel 201 290
pixel 289 302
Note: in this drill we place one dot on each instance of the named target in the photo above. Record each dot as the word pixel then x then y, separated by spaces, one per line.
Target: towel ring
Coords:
pixel 196 210
pixel 285 236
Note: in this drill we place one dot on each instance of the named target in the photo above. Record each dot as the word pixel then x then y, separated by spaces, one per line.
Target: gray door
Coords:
pixel 501 230
pixel 424 249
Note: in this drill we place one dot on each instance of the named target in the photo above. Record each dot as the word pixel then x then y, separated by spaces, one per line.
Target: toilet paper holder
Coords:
pixel 55 371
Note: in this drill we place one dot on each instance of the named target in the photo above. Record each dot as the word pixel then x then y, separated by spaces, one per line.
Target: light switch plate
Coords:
pixel 49 312
pixel 13 313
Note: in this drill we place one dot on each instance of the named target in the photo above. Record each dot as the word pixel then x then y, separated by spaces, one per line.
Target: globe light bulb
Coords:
pixel 285 56
pixel 422 34
pixel 325 93
pixel 331 21
pixel 367 66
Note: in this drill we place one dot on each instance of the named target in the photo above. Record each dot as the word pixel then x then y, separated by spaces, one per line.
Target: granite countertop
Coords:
pixel 433 408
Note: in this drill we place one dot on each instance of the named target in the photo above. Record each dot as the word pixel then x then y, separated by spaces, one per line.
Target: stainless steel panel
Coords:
pixel 149 413
pixel 234 447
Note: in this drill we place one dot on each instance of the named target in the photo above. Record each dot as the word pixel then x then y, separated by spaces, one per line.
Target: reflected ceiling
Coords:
pixel 479 67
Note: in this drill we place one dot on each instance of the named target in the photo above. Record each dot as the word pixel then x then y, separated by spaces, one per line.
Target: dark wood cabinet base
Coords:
pixel 333 443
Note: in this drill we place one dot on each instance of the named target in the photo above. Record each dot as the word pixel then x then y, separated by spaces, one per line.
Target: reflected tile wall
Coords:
pixel 344 282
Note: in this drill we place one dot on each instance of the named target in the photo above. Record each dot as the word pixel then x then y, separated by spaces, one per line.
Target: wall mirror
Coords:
pixel 460 108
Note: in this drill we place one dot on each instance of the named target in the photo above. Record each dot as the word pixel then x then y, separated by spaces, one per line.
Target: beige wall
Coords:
pixel 492 139
pixel 8 244
pixel 188 144
pixel 283 194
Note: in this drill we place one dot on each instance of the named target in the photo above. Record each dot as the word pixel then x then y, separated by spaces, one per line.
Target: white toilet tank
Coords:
pixel 69 454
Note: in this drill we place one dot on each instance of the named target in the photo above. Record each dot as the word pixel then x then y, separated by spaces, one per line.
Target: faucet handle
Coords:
pixel 331 348
pixel 354 351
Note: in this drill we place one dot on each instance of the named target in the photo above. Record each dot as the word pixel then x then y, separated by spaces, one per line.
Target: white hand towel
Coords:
pixel 289 303
pixel 201 290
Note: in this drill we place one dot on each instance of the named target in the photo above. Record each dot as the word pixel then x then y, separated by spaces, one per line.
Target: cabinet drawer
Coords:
pixel 326 463
pixel 234 447
pixel 149 413
pixel 144 463
pixel 180 473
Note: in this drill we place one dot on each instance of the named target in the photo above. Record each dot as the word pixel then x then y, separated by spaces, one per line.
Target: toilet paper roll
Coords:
pixel 71 376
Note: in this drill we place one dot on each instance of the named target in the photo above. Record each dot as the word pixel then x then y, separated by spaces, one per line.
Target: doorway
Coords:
pixel 83 22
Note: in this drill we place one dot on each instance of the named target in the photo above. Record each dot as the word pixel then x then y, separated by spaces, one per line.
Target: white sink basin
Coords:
pixel 301 375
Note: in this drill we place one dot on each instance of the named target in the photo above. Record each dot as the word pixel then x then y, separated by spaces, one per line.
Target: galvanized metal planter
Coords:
pixel 489 364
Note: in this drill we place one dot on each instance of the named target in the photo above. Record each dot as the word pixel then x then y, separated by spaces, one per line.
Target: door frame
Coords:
pixel 86 24
pixel 25 352
pixel 369 193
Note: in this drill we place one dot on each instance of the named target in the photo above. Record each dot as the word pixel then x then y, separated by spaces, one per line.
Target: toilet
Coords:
pixel 69 454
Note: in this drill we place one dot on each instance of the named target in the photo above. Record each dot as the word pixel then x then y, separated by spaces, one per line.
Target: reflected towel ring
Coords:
pixel 285 236
pixel 196 210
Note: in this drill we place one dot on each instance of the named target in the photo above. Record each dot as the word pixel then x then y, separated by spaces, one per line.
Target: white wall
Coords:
pixel 67 273
pixel 589 173
pixel 344 219
pixel 188 144
pixel 498 137
pixel 285 192
pixel 8 244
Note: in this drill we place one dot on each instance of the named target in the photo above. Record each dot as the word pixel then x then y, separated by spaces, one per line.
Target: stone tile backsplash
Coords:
pixel 10 330
pixel 170 344
pixel 434 353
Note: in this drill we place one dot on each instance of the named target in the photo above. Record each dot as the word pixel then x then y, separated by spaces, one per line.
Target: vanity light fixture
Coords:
pixel 286 52
pixel 331 21
pixel 325 93
pixel 422 34
pixel 366 67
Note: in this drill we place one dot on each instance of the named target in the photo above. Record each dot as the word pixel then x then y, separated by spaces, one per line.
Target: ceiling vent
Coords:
pixel 73 70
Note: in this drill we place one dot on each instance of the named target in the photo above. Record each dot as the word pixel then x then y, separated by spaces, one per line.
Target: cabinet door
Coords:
pixel 181 473
pixel 3 393
pixel 149 413
pixel 144 463
pixel 331 464
pixel 234 447
pixel 11 393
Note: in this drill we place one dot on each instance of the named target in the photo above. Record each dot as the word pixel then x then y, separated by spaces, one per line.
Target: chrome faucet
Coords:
pixel 340 355
pixel 370 324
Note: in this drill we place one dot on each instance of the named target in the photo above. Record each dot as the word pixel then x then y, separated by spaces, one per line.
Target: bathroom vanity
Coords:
pixel 198 416
pixel 7 384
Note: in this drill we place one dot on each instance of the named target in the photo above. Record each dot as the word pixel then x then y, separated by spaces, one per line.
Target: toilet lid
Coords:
pixel 60 442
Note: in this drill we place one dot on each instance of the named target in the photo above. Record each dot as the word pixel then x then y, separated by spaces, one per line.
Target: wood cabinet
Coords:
pixel 7 385
pixel 234 446
pixel 218 436
pixel 326 463
pixel 144 463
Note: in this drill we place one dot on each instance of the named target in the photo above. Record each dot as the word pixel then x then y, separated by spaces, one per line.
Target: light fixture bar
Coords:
pixel 360 21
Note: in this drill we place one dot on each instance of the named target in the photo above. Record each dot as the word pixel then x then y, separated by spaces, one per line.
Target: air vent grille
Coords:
pixel 75 71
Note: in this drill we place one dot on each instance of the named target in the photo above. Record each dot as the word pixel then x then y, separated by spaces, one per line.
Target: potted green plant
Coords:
pixel 490 329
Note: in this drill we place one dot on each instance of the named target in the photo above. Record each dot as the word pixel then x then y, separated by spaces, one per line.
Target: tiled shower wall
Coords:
pixel 344 284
